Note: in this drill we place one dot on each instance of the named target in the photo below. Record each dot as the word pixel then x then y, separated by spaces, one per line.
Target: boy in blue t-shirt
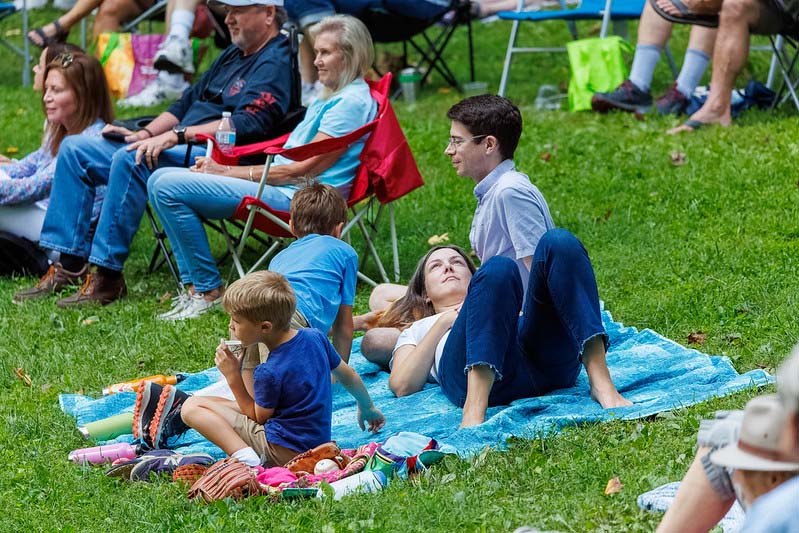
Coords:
pixel 320 267
pixel 290 409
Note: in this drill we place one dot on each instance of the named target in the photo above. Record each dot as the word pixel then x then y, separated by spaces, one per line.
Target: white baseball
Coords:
pixel 325 465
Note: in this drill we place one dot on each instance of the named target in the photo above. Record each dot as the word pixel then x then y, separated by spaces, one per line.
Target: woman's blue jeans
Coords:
pixel 84 163
pixel 534 353
pixel 181 198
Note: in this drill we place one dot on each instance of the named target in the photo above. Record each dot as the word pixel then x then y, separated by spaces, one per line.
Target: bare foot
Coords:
pixel 609 398
pixel 471 419
pixel 700 119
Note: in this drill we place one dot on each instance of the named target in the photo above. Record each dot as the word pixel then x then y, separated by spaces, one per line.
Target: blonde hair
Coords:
pixel 261 296
pixel 355 43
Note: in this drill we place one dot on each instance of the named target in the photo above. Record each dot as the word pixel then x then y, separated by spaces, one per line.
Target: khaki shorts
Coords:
pixel 254 435
pixel 775 18
pixel 254 356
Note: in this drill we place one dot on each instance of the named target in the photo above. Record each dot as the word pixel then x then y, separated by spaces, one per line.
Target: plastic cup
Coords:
pixel 410 80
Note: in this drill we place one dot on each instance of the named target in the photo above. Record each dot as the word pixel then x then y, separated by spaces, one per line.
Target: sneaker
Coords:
pixel 166 464
pixel 97 289
pixel 30 4
pixel 157 92
pixel 56 279
pixel 626 97
pixel 178 303
pixel 122 469
pixel 673 102
pixel 196 306
pixel 156 414
pixel 175 56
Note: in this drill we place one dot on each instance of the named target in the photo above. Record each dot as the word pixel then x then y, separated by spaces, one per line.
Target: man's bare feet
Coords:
pixel 701 119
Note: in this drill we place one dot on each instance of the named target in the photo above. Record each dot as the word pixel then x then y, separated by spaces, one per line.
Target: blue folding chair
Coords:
pixel 6 10
pixel 620 10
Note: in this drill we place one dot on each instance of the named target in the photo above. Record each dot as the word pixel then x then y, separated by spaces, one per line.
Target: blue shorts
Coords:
pixel 307 12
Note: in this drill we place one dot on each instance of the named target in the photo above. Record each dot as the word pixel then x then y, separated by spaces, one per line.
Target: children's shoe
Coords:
pixel 626 97
pixel 175 56
pixel 674 102
pixel 196 306
pixel 166 464
pixel 156 415
pixel 178 304
pixel 157 92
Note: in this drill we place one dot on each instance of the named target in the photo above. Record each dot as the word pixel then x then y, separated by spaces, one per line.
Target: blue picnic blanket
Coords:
pixel 660 499
pixel 654 372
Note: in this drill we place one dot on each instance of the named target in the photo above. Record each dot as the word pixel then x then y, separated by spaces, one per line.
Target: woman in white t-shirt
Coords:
pixel 485 342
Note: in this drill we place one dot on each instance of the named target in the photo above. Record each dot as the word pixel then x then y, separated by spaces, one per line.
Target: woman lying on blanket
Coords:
pixel 467 334
pixel 183 197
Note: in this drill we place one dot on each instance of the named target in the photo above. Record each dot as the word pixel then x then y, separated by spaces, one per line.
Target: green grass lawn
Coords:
pixel 711 245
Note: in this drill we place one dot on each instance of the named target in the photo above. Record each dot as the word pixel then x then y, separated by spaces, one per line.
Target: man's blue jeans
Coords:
pixel 84 163
pixel 181 197
pixel 539 351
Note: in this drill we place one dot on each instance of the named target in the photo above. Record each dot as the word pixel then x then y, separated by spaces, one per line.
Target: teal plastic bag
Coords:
pixel 597 65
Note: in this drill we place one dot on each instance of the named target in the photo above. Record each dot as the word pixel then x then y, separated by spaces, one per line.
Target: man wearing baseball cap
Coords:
pixel 251 79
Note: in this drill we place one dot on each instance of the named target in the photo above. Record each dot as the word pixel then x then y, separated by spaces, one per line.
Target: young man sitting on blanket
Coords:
pixel 561 327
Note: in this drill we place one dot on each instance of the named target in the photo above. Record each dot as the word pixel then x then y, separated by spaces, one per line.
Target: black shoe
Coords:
pixel 156 415
pixel 673 102
pixel 626 97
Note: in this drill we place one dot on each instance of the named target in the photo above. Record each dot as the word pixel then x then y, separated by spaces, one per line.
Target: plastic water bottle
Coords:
pixel 360 482
pixel 104 454
pixel 108 428
pixel 226 133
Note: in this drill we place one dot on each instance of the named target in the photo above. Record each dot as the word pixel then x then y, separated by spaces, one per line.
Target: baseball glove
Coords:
pixel 228 478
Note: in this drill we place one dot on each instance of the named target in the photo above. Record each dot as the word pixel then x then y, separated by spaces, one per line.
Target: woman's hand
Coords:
pixel 226 361
pixel 148 150
pixel 206 165
pixel 448 318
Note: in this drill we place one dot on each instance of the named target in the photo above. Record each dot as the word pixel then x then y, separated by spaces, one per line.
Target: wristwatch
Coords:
pixel 180 131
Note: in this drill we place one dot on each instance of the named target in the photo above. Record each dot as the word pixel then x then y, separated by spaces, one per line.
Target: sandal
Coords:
pixel 686 16
pixel 60 36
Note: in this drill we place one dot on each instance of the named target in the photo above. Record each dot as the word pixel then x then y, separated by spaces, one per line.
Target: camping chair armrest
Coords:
pixel 233 157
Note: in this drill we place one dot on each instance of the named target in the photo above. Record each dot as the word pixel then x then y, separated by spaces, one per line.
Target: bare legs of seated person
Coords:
pixel 378 342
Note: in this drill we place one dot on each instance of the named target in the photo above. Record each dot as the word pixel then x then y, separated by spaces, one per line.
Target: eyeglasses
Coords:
pixel 457 142
pixel 66 60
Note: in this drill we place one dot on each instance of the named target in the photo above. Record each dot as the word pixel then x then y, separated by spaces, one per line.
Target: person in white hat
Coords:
pixel 758 463
pixel 708 490
pixel 778 510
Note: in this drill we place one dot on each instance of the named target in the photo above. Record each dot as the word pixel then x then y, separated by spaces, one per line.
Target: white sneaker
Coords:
pixel 156 93
pixel 178 303
pixel 175 56
pixel 196 306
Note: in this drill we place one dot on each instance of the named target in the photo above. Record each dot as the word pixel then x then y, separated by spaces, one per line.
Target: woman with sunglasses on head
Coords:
pixel 64 74
pixel 182 198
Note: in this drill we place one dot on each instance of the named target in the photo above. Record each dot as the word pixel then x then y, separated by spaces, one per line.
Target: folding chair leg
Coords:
pixel 231 247
pixel 160 238
pixel 373 251
pixel 514 32
pixel 394 247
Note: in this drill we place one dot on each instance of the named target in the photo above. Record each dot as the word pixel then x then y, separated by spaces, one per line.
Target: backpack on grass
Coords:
pixel 19 256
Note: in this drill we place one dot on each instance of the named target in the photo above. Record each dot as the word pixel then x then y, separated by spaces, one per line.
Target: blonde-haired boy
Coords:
pixel 290 408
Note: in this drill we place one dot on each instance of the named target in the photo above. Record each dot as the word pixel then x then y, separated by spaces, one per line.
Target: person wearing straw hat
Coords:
pixel 778 510
pixel 759 464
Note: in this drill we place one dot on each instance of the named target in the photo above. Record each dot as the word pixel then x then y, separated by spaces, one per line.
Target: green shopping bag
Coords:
pixel 597 65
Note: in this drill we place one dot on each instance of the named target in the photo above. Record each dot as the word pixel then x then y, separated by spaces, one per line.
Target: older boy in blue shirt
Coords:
pixel 290 408
pixel 320 267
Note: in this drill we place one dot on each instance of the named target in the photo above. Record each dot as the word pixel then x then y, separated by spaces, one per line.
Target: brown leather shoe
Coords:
pixel 56 279
pixel 96 289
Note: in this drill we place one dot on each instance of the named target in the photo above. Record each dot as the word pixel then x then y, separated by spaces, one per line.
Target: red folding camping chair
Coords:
pixel 387 172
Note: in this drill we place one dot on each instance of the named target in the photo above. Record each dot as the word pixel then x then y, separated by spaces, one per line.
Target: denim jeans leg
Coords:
pixel 83 165
pixel 125 200
pixel 561 310
pixel 159 209
pixel 485 333
pixel 182 197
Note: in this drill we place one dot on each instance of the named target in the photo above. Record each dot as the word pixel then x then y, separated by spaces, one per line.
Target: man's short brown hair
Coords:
pixel 261 296
pixel 317 208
